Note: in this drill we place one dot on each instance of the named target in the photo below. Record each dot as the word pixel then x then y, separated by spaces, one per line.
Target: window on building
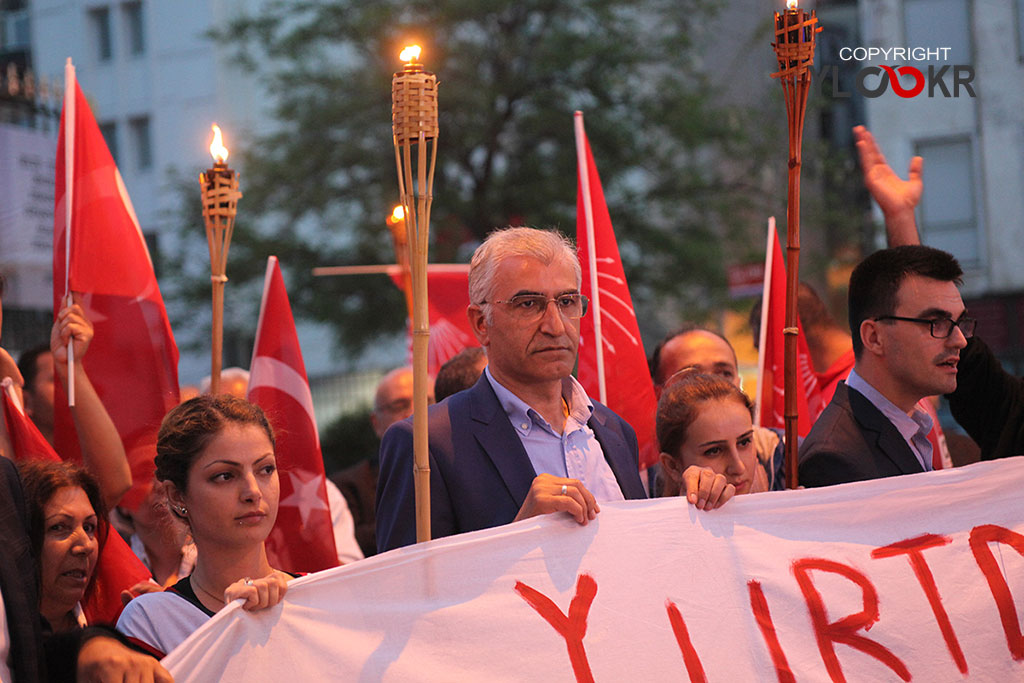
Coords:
pixel 142 143
pixel 109 130
pixel 99 21
pixel 949 218
pixel 939 23
pixel 135 34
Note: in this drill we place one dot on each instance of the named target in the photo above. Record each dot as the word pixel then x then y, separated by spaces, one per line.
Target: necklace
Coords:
pixel 212 595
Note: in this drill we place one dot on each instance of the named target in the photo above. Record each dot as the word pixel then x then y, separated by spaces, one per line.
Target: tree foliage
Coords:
pixel 681 175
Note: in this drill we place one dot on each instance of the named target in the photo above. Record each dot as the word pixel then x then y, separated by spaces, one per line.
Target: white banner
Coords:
pixel 920 576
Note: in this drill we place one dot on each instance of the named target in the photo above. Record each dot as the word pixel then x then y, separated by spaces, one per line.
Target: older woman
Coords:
pixel 705 422
pixel 215 455
pixel 65 514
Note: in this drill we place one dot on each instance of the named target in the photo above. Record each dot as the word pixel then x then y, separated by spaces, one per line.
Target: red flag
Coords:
pixel 626 386
pixel 117 567
pixel 771 379
pixel 132 360
pixel 448 298
pixel 302 540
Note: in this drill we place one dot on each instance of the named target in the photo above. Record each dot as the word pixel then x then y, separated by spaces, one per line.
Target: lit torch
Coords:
pixel 795 31
pixel 414 124
pixel 220 195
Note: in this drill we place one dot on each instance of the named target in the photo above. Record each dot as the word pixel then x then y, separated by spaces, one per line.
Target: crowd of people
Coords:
pixel 512 435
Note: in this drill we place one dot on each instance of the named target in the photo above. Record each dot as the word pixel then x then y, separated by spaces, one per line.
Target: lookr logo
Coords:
pixel 906 81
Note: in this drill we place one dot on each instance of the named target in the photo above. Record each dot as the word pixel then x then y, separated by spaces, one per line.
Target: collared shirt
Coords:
pixel 575 453
pixel 913 428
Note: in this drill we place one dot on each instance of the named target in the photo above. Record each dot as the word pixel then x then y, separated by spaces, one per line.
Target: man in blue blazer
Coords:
pixel 526 439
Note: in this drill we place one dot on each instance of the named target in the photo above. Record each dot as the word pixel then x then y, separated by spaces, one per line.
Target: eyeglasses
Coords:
pixel 941 328
pixel 531 307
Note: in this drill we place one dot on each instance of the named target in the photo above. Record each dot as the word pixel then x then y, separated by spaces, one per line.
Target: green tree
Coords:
pixel 511 74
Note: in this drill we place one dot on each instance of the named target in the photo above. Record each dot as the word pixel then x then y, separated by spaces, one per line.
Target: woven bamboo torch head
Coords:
pixel 219 186
pixel 795 31
pixel 413 100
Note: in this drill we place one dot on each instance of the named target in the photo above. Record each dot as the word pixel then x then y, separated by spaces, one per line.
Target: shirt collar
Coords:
pixel 918 422
pixel 523 416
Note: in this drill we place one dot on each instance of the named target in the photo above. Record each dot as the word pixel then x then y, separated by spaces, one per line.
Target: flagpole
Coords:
pixel 588 217
pixel 762 336
pixel 69 186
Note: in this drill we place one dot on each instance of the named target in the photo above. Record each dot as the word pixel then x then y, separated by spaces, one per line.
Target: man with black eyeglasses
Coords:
pixel 526 439
pixel 909 325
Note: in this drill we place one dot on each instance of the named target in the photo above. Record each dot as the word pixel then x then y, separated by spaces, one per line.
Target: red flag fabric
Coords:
pixel 629 390
pixel 302 540
pixel 132 360
pixel 448 298
pixel 117 567
pixel 771 383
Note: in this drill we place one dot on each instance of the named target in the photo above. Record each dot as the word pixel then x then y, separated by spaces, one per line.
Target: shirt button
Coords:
pixel 524 425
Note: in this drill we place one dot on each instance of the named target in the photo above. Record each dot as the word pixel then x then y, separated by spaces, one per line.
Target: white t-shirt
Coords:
pixel 161 620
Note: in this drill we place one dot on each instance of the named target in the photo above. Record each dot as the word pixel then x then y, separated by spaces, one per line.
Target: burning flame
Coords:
pixel 398 214
pixel 791 4
pixel 410 54
pixel 217 148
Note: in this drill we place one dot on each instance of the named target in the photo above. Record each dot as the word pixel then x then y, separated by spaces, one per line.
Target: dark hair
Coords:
pixel 190 426
pixel 28 365
pixel 680 404
pixel 876 280
pixel 458 373
pixel 42 479
pixel 813 312
pixel 678 332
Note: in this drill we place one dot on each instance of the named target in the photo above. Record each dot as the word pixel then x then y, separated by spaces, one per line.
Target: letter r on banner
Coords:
pixel 844 630
pixel 573 627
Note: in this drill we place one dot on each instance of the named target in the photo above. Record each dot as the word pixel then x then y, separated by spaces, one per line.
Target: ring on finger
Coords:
pixel 248 581
pixel 565 489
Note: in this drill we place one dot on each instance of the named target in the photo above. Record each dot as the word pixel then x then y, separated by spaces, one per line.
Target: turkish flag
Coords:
pixel 447 301
pixel 302 540
pixel 771 378
pixel 629 390
pixel 132 360
pixel 117 567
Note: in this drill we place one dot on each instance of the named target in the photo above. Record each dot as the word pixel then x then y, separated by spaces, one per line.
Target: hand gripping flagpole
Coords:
pixel 69 186
pixel 795 31
pixel 414 123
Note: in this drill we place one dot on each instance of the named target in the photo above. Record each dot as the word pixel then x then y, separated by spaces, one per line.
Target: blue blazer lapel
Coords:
pixel 499 441
pixel 617 453
pixel 888 440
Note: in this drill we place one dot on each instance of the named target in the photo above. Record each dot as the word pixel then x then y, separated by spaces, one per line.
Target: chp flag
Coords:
pixel 447 301
pixel 101 253
pixel 302 539
pixel 612 362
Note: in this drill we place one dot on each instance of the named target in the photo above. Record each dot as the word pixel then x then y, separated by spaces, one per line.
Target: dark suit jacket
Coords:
pixel 853 441
pixel 18 578
pixel 479 471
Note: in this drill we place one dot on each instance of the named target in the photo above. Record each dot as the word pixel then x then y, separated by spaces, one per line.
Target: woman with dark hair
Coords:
pixel 215 455
pixel 705 421
pixel 65 512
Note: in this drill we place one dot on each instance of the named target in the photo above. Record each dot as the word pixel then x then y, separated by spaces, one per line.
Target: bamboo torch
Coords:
pixel 795 31
pixel 414 123
pixel 219 188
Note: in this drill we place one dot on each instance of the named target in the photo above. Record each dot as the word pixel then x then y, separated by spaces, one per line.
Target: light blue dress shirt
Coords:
pixel 575 453
pixel 913 428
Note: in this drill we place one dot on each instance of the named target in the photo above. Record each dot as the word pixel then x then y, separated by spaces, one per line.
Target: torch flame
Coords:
pixel 410 53
pixel 217 148
pixel 398 214
pixel 791 4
